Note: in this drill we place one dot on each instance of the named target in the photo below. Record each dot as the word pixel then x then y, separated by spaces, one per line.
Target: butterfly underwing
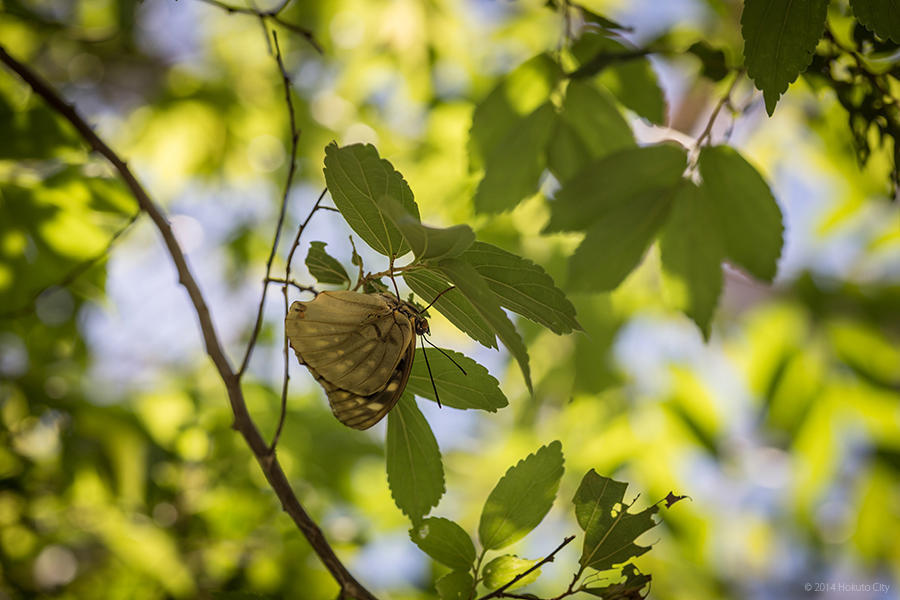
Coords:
pixel 359 347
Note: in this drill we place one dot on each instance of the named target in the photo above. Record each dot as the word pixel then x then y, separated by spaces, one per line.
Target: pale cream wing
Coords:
pixel 361 412
pixel 354 341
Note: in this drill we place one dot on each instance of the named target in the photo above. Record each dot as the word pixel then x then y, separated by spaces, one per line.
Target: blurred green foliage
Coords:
pixel 784 428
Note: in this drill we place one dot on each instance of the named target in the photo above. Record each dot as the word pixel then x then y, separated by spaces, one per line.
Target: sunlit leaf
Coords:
pixel 475 388
pixel 414 469
pixel 456 585
pixel 444 541
pixel 453 305
pixel 748 216
pixel 358 179
pixel 519 93
pixel 522 497
pixel 473 286
pixel 630 589
pixel 523 287
pixel 779 40
pixel 503 569
pixel 324 267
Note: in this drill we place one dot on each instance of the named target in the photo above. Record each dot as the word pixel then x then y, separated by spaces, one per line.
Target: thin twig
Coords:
pixel 292 168
pixel 499 592
pixel 269 15
pixel 723 101
pixel 300 287
pixel 74 274
pixel 284 291
pixel 243 422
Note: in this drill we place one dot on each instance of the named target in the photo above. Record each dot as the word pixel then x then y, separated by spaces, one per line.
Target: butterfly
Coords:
pixel 359 347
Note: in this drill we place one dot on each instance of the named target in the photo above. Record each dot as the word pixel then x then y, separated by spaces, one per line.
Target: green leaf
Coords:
pixel 427 285
pixel 513 168
pixel 475 389
pixel 34 132
pixel 613 181
pixel 523 287
pixel 616 243
pixel 692 252
pixel 504 569
pixel 567 153
pixel 414 469
pixel 713 61
pixel 476 290
pixel 779 40
pixel 630 589
pixel 522 497
pixel 519 93
pixel 324 267
pixel 427 243
pixel 444 541
pixel 456 585
pixel 609 529
pixel 748 216
pixel 593 114
pixel 631 80
pixel 879 16
pixel 358 180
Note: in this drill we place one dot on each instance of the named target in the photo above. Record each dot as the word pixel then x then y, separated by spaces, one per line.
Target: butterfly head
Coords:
pixel 421 325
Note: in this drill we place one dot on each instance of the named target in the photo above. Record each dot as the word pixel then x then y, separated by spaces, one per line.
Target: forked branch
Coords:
pixel 243 423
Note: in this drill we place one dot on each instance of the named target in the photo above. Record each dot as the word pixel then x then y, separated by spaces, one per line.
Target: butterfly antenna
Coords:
pixel 433 385
pixel 435 300
pixel 441 350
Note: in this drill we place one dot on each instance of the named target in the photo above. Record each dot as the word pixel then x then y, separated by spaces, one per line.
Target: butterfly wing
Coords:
pixel 353 341
pixel 361 412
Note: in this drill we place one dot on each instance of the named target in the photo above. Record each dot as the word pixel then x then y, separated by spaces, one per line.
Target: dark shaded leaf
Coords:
pixel 324 267
pixel 453 305
pixel 880 16
pixel 475 389
pixel 779 40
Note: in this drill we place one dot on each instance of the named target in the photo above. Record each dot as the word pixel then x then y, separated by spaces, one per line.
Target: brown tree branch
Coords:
pixel 499 592
pixel 243 423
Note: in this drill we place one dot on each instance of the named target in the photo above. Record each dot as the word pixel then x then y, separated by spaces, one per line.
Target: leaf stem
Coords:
pixel 499 592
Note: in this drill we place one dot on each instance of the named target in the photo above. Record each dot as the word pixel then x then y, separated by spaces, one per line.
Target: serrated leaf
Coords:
pixel 692 251
pixel 444 541
pixel 414 469
pixel 358 180
pixel 605 184
pixel 428 243
pixel 779 40
pixel 473 286
pixel 456 585
pixel 748 216
pixel 453 305
pixel 504 569
pixel 475 389
pixel 879 16
pixel 593 114
pixel 522 497
pixel 519 93
pixel 523 287
pixel 609 529
pixel 630 589
pixel 513 168
pixel 324 267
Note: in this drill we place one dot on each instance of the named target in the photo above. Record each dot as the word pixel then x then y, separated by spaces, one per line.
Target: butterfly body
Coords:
pixel 359 347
